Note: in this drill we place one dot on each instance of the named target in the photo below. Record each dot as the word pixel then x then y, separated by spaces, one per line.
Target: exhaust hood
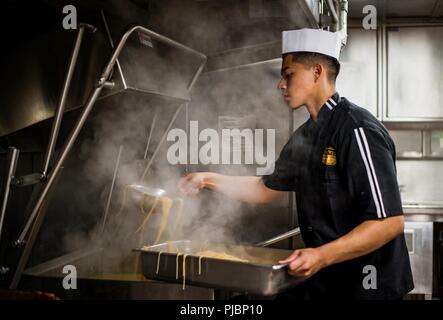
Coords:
pixel 33 72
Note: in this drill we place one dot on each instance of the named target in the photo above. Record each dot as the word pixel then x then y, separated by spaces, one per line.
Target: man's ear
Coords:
pixel 318 71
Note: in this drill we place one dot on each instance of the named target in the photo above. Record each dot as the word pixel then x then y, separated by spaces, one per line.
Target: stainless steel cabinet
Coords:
pixel 420 181
pixel 358 76
pixel 413 73
pixel 419 240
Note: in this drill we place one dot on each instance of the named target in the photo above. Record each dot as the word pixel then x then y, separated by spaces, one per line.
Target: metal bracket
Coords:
pixel 28 180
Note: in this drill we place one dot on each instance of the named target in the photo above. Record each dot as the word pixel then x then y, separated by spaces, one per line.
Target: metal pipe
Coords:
pixel 151 130
pixel 151 160
pixel 281 237
pixel 108 203
pixel 63 97
pixel 197 74
pixel 343 20
pixel 12 160
pixel 331 8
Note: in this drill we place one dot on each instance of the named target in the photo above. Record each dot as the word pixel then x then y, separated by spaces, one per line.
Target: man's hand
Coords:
pixel 192 183
pixel 305 262
pixel 363 239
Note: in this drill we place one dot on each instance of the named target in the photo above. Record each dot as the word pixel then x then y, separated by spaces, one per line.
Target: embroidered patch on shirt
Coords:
pixel 329 157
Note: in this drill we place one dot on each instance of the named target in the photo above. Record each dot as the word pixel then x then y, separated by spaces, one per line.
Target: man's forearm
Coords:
pixel 243 188
pixel 364 239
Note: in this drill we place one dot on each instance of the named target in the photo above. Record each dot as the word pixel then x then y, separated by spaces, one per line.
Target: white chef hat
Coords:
pixel 312 40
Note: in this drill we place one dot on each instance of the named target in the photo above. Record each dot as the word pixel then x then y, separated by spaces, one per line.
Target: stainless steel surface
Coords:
pixel 359 61
pixel 12 165
pixel 68 145
pixel 40 73
pixel 436 144
pixel 161 74
pixel 237 32
pixel 423 207
pixel 141 69
pixel 111 189
pixel 395 8
pixel 424 46
pixel 423 213
pixel 420 240
pixel 408 143
pixel 60 262
pixel 100 276
pixel 257 276
pixel 63 96
pixel 281 237
pixel 422 181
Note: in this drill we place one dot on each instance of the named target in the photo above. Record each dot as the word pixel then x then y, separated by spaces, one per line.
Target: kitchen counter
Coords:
pixel 423 213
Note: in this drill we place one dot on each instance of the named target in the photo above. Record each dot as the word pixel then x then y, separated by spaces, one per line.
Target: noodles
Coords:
pixel 158 262
pixel 166 206
pixel 166 209
pixel 143 211
pixel 184 271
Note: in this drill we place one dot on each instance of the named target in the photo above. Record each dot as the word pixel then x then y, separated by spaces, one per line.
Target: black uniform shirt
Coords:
pixel 343 171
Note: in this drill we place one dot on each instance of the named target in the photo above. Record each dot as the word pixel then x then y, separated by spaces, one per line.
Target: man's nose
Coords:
pixel 282 85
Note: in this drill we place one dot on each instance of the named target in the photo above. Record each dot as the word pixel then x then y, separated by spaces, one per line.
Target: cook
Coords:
pixel 341 164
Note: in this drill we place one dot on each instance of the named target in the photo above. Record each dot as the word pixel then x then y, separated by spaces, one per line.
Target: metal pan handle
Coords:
pixel 281 237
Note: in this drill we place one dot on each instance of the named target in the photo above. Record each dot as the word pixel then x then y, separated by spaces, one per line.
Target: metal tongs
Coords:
pixel 281 237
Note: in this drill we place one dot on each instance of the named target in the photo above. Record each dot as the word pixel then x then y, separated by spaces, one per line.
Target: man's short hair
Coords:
pixel 309 59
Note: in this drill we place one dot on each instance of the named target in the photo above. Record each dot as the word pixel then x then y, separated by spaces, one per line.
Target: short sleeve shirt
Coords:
pixel 342 168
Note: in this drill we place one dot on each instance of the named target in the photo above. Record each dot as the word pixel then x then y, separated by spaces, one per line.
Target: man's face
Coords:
pixel 297 82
